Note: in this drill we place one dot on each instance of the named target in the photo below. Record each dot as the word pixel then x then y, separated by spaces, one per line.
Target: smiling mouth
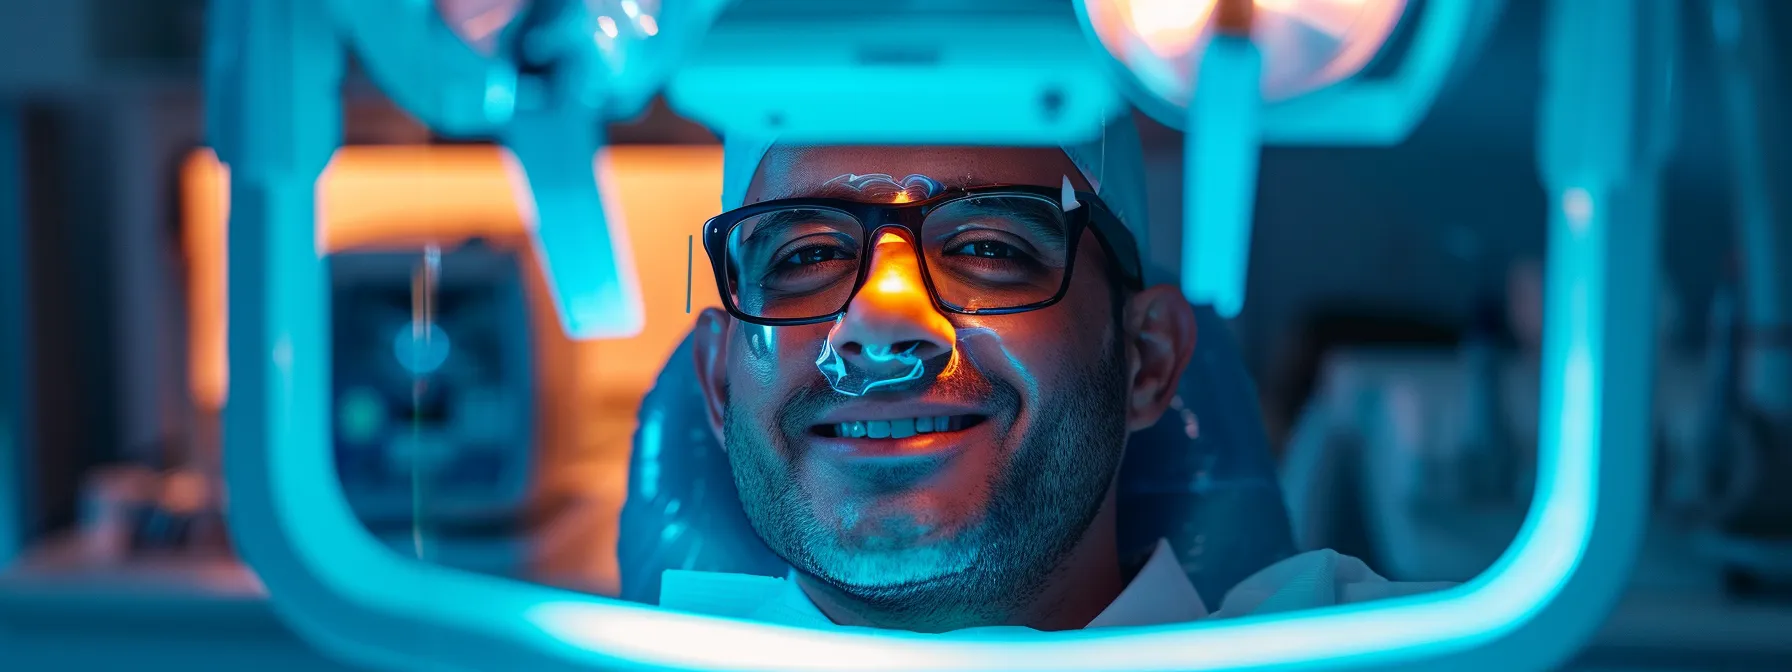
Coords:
pixel 897 429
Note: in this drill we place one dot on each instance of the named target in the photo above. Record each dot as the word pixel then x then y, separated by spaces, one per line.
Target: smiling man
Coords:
pixel 925 376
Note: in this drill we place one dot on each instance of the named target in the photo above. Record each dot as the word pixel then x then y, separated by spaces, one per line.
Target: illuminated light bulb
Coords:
pixel 608 25
pixel 1168 28
pixel 479 22
pixel 1306 44
pixel 648 25
pixel 1211 68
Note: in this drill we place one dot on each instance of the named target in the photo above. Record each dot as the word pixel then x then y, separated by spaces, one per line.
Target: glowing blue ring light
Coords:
pixel 275 63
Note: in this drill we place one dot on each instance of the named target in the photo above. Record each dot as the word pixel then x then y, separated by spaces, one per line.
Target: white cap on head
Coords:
pixel 1113 164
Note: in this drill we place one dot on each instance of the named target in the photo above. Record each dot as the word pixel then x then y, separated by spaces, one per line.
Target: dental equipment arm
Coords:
pixel 1606 121
pixel 1220 163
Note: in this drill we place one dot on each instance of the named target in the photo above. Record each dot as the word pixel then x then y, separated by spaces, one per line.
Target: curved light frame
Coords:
pixel 1352 111
pixel 349 594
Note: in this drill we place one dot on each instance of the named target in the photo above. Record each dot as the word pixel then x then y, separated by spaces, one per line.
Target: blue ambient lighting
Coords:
pixel 1530 576
pixel 327 545
pixel 274 85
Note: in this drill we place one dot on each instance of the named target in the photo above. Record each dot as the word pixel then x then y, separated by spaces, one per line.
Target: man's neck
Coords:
pixel 1075 592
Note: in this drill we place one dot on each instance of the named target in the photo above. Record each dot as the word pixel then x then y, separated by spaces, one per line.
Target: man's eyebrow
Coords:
pixel 828 190
pixel 872 188
pixel 1042 218
pixel 840 190
pixel 773 225
pixel 777 222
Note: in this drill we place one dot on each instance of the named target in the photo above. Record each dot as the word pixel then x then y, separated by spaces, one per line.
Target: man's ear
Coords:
pixel 1160 333
pixel 710 347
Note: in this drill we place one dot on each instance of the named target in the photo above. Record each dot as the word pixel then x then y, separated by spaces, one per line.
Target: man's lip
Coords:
pixel 919 446
pixel 895 410
pixel 885 466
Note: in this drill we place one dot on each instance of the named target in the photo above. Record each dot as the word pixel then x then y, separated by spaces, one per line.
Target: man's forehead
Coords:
pixel 800 171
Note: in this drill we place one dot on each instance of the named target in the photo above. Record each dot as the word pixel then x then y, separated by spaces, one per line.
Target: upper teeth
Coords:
pixel 893 429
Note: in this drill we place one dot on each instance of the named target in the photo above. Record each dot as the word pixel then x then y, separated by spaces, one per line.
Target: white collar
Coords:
pixel 1160 593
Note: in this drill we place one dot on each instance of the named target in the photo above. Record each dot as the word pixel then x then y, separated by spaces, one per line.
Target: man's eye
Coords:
pixel 812 255
pixel 988 249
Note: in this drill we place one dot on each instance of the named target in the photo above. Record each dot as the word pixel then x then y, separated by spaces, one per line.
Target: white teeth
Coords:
pixel 892 429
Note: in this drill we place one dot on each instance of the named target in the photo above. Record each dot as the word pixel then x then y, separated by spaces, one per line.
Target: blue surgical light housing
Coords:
pixel 1012 72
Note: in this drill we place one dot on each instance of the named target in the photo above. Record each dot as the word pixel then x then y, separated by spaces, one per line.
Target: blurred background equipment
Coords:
pixel 435 422
pixel 529 429
pixel 15 408
pixel 1417 428
pixel 1750 523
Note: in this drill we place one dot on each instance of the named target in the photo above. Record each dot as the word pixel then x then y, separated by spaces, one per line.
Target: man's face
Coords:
pixel 1028 412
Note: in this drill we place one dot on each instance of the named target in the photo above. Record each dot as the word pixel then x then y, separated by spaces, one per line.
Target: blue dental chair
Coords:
pixel 1202 477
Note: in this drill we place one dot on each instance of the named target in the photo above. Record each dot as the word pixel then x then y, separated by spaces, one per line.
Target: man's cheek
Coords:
pixel 1003 354
pixel 755 361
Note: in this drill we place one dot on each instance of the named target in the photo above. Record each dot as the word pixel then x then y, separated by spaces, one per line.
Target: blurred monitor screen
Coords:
pixel 555 417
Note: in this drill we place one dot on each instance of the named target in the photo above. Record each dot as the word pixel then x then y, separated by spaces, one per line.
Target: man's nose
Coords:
pixel 892 313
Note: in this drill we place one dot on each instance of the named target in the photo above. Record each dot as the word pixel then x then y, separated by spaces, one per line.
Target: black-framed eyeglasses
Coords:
pixel 984 251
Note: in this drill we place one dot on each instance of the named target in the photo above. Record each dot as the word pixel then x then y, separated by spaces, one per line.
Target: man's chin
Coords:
pixel 915 566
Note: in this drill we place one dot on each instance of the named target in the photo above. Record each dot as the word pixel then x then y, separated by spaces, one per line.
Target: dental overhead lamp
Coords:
pixel 1235 75
pixel 1010 72
pixel 541 76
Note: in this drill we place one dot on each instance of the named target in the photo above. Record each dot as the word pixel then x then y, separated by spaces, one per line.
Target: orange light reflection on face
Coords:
pixel 893 283
pixel 895 280
pixel 405 197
